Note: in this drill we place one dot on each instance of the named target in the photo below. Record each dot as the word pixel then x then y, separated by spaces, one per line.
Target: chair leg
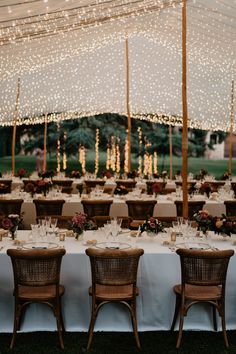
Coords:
pixel 181 324
pixel 134 324
pixel 177 306
pixel 61 318
pixel 16 325
pixel 91 326
pixel 224 325
pixel 214 317
pixel 59 328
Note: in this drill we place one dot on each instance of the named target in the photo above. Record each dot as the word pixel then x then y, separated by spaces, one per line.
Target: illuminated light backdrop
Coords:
pixel 70 57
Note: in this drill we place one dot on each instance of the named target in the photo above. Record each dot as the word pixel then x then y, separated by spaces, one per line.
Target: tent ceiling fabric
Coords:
pixel 70 57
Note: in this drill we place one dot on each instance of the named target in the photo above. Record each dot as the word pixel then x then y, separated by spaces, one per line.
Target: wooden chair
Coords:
pixel 150 184
pixel 193 207
pixel 128 185
pixel 230 206
pixel 96 207
pixel 203 280
pixel 216 185
pixel 90 184
pixel 5 186
pixel 102 220
pixel 140 209
pixel 64 184
pixel 114 275
pixel 10 206
pixel 36 279
pixel 48 207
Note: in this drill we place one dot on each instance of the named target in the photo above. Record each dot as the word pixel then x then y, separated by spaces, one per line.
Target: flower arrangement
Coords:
pixel 223 225
pixel 132 174
pixel 11 223
pixel 157 188
pixel 225 176
pixel 75 174
pixel 107 174
pixel 80 223
pixel 203 220
pixel 30 188
pixel 22 173
pixel 152 225
pixel 121 190
pixel 205 188
pixel 43 186
pixel 201 174
pixel 47 174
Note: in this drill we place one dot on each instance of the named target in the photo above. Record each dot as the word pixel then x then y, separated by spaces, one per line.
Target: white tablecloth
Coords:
pixel 159 270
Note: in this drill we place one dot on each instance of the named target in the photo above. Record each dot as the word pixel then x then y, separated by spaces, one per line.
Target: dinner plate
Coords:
pixel 193 245
pixel 39 245
pixel 113 245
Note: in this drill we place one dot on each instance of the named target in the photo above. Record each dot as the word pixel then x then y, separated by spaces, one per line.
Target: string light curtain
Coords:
pixel 46 42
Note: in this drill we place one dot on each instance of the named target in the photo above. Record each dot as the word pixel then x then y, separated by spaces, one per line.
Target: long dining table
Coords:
pixel 159 271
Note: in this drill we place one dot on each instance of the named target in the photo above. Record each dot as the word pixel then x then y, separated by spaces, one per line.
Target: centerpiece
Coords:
pixel 80 223
pixel 43 186
pixel 152 226
pixel 11 223
pixel 22 173
pixel 203 220
pixel 205 188
pixel 223 226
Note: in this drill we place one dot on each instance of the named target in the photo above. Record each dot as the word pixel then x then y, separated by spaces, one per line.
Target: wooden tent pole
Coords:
pixel 128 104
pixel 171 152
pixel 231 129
pixel 45 143
pixel 13 145
pixel 185 114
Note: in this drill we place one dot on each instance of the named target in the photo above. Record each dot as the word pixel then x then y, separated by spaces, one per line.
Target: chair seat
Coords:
pixel 113 293
pixel 199 293
pixel 39 293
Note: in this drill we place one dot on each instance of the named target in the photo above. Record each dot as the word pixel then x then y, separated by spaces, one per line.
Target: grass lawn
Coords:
pixel 214 167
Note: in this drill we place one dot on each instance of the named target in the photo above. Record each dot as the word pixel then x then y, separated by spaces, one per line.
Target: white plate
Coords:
pixel 193 245
pixel 113 245
pixel 40 245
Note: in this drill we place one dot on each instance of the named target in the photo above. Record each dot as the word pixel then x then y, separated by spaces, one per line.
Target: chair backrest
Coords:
pixel 129 185
pixel 5 186
pixel 36 267
pixel 48 207
pixel 194 206
pixel 114 267
pixel 140 209
pixel 96 207
pixel 215 185
pixel 102 220
pixel 10 206
pixel 90 184
pixel 204 267
pixel 62 182
pixel 230 206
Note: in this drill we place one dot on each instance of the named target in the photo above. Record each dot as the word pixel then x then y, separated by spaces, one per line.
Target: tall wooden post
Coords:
pixel 185 113
pixel 45 143
pixel 231 129
pixel 171 152
pixel 13 145
pixel 128 104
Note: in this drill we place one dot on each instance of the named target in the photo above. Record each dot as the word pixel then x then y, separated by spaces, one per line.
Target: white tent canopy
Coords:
pixel 70 57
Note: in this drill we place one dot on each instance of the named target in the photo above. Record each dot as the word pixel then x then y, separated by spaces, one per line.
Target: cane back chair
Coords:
pixel 203 278
pixel 48 207
pixel 194 206
pixel 36 280
pixel 96 207
pixel 114 275
pixel 10 206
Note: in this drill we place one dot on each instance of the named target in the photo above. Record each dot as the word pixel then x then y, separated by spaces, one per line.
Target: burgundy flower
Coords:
pixel 7 224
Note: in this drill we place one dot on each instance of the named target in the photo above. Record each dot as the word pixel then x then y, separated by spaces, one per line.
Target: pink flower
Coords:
pixel 7 224
pixel 156 187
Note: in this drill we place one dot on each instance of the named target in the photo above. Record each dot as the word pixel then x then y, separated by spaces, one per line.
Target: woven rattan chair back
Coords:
pixel 203 278
pixel 230 206
pixel 203 267
pixel 96 207
pixel 62 182
pixel 140 209
pixel 10 206
pixel 128 185
pixel 193 207
pixel 114 267
pixel 36 279
pixel 48 207
pixel 114 276
pixel 216 185
pixel 5 186
pixel 90 184
pixel 100 221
